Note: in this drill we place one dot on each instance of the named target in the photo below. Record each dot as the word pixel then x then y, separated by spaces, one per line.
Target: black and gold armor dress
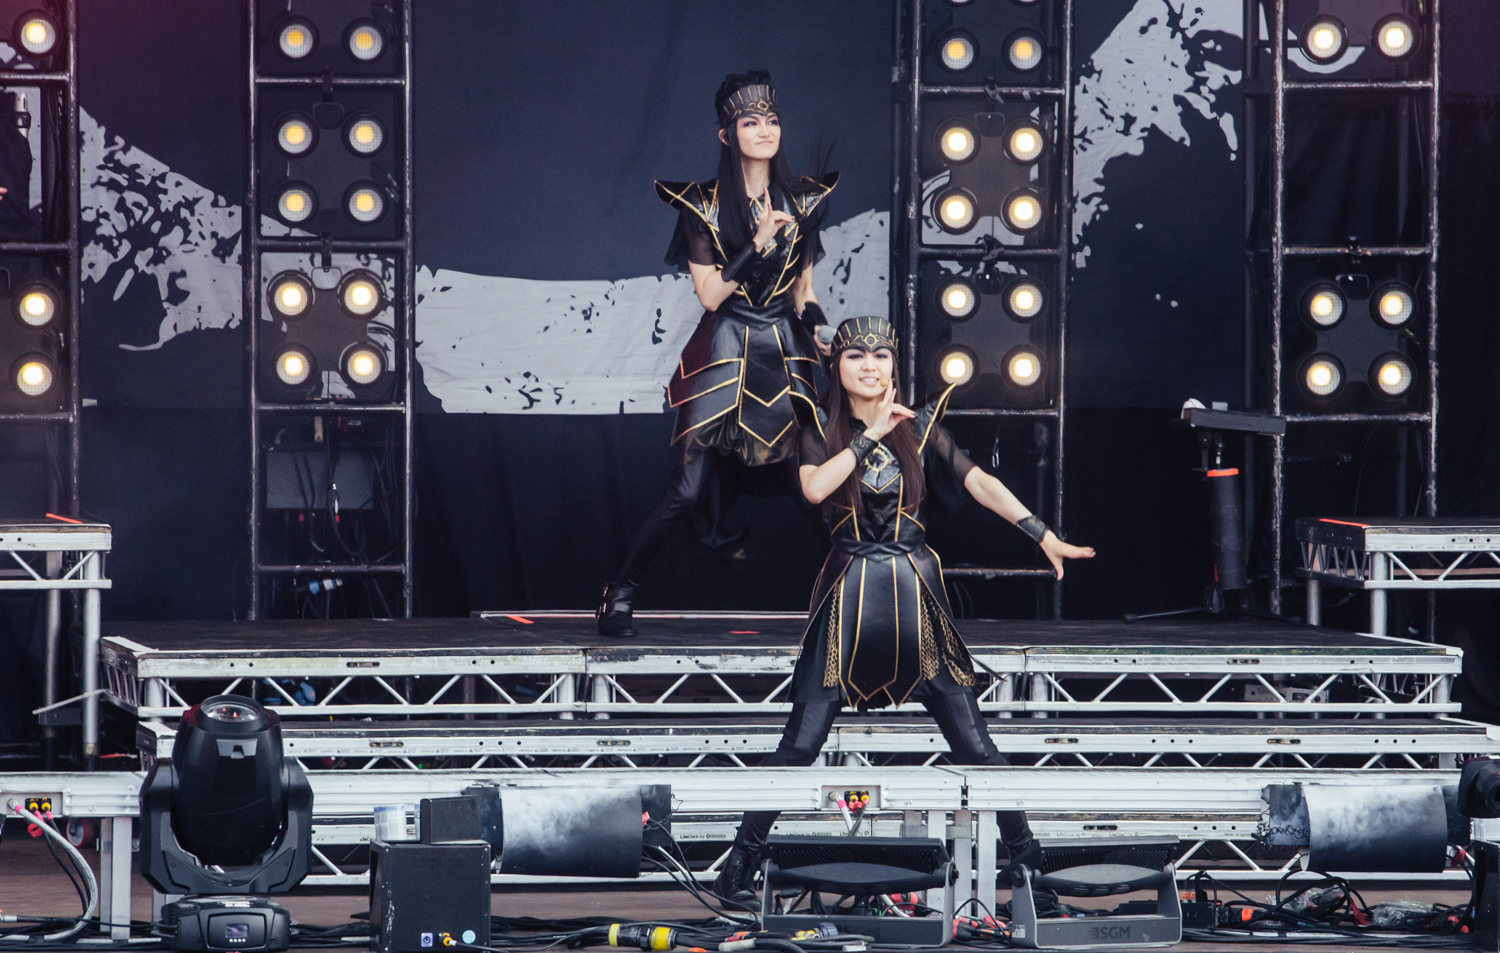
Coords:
pixel 746 378
pixel 880 631
pixel 880 628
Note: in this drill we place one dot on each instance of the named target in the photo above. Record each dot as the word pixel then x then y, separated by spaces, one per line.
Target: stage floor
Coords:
pixel 33 885
pixel 549 632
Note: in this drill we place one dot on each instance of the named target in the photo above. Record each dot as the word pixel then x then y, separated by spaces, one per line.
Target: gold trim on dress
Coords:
pixel 704 393
pixel 683 373
pixel 938 408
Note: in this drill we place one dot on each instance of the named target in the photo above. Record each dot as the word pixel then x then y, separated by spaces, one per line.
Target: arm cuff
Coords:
pixel 1032 527
pixel 736 268
pixel 861 445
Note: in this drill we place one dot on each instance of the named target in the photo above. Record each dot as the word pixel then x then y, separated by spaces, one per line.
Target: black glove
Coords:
pixel 742 264
pixel 813 317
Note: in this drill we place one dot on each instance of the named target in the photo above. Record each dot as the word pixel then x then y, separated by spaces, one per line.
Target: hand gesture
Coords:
pixel 772 221
pixel 1056 551
pixel 887 414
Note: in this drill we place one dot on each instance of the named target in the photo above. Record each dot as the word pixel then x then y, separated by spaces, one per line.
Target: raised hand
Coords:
pixel 771 222
pixel 888 413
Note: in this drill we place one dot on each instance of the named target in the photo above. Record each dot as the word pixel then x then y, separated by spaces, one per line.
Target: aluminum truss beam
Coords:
pixel 910 91
pixel 1270 92
pixel 403 248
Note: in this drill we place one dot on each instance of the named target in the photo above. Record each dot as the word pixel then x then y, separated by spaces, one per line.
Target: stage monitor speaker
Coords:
pixel 861 867
pixel 424 894
pixel 1118 930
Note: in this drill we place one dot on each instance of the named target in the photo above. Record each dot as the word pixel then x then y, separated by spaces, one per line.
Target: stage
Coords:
pixel 697 664
pixel 1148 729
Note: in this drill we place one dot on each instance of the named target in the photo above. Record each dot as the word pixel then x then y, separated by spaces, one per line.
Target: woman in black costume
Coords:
pixel 744 387
pixel 880 630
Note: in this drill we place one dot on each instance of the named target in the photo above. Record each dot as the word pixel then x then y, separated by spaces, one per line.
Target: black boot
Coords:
pixel 736 884
pixel 614 612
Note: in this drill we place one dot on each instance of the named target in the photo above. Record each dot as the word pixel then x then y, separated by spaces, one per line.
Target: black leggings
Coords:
pixel 700 482
pixel 962 724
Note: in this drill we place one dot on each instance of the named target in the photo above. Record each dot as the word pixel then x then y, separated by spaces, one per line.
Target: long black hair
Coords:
pixel 840 430
pixel 735 220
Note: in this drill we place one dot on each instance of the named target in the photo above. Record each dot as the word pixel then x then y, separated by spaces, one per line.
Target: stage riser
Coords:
pixel 1221 808
pixel 1053 693
pixel 1462 739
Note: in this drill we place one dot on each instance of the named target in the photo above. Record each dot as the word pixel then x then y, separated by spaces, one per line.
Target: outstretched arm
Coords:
pixel 997 497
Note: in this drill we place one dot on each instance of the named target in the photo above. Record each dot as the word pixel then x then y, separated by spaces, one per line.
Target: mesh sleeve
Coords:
pixel 947 468
pixel 811 449
pixel 692 242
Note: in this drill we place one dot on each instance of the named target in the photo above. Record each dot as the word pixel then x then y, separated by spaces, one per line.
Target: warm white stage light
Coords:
pixel 1024 300
pixel 1024 367
pixel 34 375
pixel 291 294
pixel 956 367
pixel 958 52
pixel 294 366
pixel 365 41
pixel 365 204
pixel 297 38
pixel 1324 376
pixel 958 299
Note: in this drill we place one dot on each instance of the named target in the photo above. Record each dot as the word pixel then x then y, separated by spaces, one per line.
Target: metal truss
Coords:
pixel 573 682
pixel 263 413
pixel 1216 812
pixel 542 745
pixel 50 558
pixel 1267 90
pixel 1384 554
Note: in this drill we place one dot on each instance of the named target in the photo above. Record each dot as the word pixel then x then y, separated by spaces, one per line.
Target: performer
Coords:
pixel 744 386
pixel 880 630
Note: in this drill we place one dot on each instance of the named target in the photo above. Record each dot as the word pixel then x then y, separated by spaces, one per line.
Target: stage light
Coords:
pixel 1322 375
pixel 33 375
pixel 362 365
pixel 1396 36
pixel 956 366
pixel 1024 300
pixel 294 365
pixel 1023 211
pixel 296 134
pixel 958 51
pixel 1324 39
pixel 958 299
pixel 35 304
pixel 1323 305
pixel 361 294
pixel 1023 366
pixel 36 32
pixel 290 295
pixel 364 134
pixel 1392 304
pixel 296 37
pixel 364 203
pixel 1391 375
pixel 1025 142
pixel 958 142
pixel 955 208
pixel 364 40
pixel 228 813
pixel 1024 49
pixel 295 203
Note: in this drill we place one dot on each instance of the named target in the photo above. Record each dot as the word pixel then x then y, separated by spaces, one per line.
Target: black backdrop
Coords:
pixel 539 128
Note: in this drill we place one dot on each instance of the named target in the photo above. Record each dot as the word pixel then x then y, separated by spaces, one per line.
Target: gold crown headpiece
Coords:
pixel 869 333
pixel 758 100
